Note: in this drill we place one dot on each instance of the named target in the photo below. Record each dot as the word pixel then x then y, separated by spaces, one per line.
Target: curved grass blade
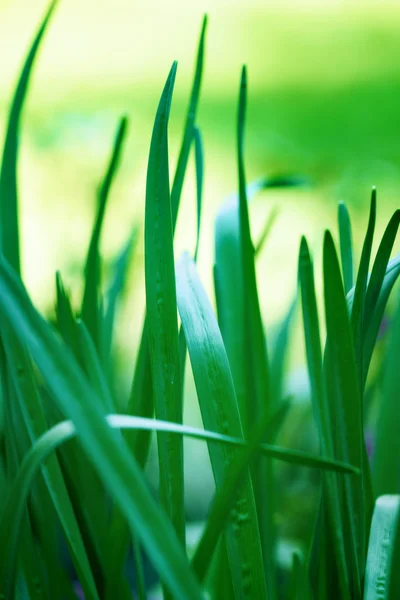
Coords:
pixel 217 400
pixel 162 323
pixel 189 131
pixel 118 470
pixel 9 231
pixel 11 515
pixel 386 462
pixel 90 313
pixel 346 246
pixel 381 573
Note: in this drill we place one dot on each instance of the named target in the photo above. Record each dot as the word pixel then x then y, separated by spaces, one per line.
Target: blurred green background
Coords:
pixel 324 90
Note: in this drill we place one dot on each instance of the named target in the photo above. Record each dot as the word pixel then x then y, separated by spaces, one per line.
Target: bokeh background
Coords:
pixel 324 91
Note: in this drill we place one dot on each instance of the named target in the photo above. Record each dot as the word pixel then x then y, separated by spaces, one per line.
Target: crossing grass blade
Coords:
pixel 90 313
pixel 119 472
pixel 9 231
pixel 43 451
pixel 162 323
pixel 386 463
pixel 381 573
pixel 217 400
pixel 346 246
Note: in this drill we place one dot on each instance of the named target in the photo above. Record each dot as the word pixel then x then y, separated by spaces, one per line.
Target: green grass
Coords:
pixel 77 508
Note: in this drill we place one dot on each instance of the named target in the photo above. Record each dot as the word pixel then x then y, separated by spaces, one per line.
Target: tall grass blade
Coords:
pixel 346 246
pixel 162 323
pixel 9 231
pixel 216 395
pixel 189 130
pixel 90 313
pixel 333 559
pixel 199 161
pixel 345 405
pixel 258 373
pixel 358 307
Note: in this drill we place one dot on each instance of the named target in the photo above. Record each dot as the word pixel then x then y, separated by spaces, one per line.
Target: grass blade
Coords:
pixel 375 283
pixel 358 307
pixel 141 400
pixel 345 403
pixel 386 463
pixel 90 313
pixel 258 373
pixel 346 246
pixel 9 231
pixel 381 578
pixel 330 506
pixel 269 223
pixel 219 410
pixel 199 160
pixel 36 423
pixel 189 130
pixel 10 517
pixel 120 269
pixel 279 353
pixel 162 323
